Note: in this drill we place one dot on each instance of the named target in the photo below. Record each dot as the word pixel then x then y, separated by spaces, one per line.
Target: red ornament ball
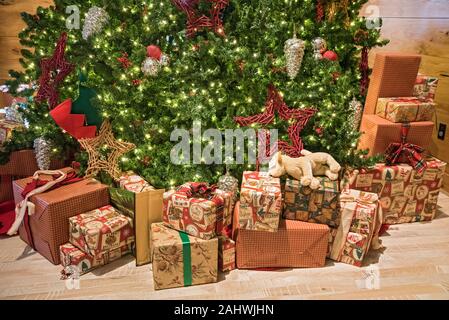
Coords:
pixel 154 52
pixel 330 55
pixel 319 131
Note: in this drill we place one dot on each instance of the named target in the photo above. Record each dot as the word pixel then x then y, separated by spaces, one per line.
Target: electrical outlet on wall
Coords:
pixel 442 131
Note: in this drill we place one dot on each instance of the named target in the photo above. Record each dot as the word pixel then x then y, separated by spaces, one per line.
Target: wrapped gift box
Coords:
pixel 361 219
pixel 378 133
pixel 405 109
pixel 198 214
pixel 296 244
pixel 425 87
pixel 394 75
pixel 72 256
pixel 315 206
pixel 181 260
pixel 48 227
pixel 226 254
pixel 134 183
pixel 260 202
pixel 101 230
pixel 144 208
pixel 405 195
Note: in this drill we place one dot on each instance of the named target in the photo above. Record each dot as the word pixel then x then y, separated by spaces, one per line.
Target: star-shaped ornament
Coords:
pixel 298 118
pixel 53 72
pixel 105 141
pixel 197 21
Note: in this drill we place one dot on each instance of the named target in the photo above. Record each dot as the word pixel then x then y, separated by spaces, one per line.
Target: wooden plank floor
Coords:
pixel 414 265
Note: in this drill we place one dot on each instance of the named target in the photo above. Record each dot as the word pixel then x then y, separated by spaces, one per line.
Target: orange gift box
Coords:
pixel 378 133
pixel 394 75
pixel 296 244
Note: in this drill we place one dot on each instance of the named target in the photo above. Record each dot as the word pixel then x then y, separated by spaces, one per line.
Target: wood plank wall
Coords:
pixel 416 26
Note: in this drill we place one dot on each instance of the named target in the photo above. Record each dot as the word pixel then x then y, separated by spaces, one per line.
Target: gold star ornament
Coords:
pixel 105 141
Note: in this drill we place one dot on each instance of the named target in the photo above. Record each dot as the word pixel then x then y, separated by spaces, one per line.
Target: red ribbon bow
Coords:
pixel 411 152
pixel 197 189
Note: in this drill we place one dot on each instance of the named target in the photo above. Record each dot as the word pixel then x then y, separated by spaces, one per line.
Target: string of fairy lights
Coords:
pixel 205 94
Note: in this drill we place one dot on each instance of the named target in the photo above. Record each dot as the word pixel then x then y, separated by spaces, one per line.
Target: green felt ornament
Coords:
pixel 83 104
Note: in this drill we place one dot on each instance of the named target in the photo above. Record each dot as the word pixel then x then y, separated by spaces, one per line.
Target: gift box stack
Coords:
pixel 96 238
pixel 296 226
pixel 194 233
pixel 397 123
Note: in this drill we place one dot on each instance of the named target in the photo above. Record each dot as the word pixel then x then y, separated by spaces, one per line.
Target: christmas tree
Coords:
pixel 218 60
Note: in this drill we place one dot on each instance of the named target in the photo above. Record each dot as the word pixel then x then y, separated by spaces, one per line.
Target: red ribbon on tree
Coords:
pixel 404 151
pixel 197 21
pixel 300 117
pixel 124 60
pixel 364 70
pixel 319 11
pixel 53 72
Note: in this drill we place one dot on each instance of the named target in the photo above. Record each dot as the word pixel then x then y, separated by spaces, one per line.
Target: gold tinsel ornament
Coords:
pixel 333 7
pixel 356 114
pixel 97 161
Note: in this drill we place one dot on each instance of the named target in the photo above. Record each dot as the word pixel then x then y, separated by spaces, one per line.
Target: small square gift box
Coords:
pixel 226 253
pixel 260 202
pixel 409 109
pixel 315 206
pixel 181 260
pixel 197 209
pixel 361 219
pixel 425 87
pixel 73 257
pixel 101 230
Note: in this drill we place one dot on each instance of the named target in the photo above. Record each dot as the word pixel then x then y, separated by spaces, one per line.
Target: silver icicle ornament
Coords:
pixel 294 53
pixel 95 20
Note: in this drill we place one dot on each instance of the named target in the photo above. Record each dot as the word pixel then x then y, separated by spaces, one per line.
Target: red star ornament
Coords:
pixel 300 118
pixel 197 21
pixel 53 72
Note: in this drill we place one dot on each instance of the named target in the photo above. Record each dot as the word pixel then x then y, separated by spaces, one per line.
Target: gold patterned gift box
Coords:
pixel 361 219
pixel 315 206
pixel 101 230
pixel 72 256
pixel 405 194
pixel 181 260
pixel 260 202
pixel 409 109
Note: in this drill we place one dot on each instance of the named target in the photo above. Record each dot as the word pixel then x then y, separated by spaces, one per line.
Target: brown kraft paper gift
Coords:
pixel 145 208
pixel 394 75
pixel 49 224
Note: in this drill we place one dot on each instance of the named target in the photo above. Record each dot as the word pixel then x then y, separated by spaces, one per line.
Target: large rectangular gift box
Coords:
pixel 197 210
pixel 296 244
pixel 378 133
pixel 315 206
pixel 48 227
pixel 405 194
pixel 394 75
pixel 407 109
pixel 101 230
pixel 144 205
pixel 260 202
pixel 181 260
pixel 361 219
pixel 425 87
pixel 72 256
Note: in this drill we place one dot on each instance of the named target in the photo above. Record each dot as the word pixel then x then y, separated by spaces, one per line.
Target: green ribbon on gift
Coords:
pixel 187 257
